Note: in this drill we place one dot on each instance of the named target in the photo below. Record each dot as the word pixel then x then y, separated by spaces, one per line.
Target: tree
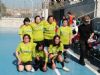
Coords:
pixel 2 9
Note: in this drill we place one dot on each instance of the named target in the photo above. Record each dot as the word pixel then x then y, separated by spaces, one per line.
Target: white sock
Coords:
pixel 57 71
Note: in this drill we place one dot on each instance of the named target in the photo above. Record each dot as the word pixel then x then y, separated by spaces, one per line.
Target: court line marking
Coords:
pixel 89 67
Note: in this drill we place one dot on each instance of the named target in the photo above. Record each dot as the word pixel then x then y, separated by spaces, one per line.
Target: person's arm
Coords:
pixel 46 59
pixel 33 50
pixel 17 55
pixel 58 31
pixel 20 32
pixel 71 36
pixel 92 31
pixel 61 49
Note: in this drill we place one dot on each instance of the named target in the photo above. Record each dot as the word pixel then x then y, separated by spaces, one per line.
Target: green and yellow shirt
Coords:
pixel 25 29
pixel 49 30
pixel 56 49
pixel 26 51
pixel 37 32
pixel 65 34
pixel 41 54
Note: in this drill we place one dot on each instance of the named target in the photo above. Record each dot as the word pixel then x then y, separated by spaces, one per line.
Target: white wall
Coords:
pixel 11 22
pixel 98 9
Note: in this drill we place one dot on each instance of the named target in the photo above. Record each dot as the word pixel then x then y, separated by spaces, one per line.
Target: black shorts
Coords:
pixel 39 64
pixel 47 42
pixel 27 63
pixel 66 46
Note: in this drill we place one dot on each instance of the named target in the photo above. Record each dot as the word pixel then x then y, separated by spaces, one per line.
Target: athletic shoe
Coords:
pixel 66 69
pixel 32 70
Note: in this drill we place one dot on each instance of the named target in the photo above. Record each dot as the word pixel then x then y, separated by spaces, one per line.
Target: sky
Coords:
pixel 22 3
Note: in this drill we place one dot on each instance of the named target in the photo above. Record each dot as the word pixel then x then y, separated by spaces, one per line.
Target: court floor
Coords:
pixel 8 44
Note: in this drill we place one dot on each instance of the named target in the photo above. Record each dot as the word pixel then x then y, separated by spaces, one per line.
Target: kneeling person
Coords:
pixel 55 53
pixel 41 57
pixel 24 53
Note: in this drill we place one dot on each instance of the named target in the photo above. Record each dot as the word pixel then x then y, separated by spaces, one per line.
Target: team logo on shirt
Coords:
pixel 26 51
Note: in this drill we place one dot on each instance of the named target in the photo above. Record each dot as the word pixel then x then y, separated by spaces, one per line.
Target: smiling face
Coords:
pixel 65 23
pixel 51 20
pixel 41 47
pixel 86 20
pixel 37 20
pixel 27 23
pixel 57 40
pixel 26 39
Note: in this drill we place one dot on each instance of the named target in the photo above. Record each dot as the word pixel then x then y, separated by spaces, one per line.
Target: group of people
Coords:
pixel 44 43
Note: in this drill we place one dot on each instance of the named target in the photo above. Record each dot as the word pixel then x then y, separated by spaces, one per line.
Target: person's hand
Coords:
pixel 19 62
pixel 37 58
pixel 90 40
pixel 44 67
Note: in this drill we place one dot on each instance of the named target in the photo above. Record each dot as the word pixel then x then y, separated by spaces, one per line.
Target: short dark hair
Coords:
pixel 26 20
pixel 28 37
pixel 87 17
pixel 36 17
pixel 64 20
pixel 40 44
pixel 69 13
pixel 50 17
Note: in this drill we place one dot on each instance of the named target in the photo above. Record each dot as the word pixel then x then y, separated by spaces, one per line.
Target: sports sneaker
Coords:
pixel 66 69
pixel 32 70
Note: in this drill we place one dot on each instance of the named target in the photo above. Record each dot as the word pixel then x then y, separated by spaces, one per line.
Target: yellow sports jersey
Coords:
pixel 25 29
pixel 56 49
pixel 37 32
pixel 49 30
pixel 65 34
pixel 42 55
pixel 26 51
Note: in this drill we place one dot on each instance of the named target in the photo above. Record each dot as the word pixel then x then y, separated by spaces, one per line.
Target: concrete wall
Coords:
pixel 98 9
pixel 11 22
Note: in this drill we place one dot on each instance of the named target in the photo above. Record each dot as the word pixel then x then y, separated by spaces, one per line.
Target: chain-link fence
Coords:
pixel 20 8
pixel 79 9
pixel 12 12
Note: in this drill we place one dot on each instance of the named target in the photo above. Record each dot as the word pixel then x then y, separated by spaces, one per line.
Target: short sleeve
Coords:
pixel 61 47
pixel 20 31
pixel 18 49
pixel 50 49
pixel 33 49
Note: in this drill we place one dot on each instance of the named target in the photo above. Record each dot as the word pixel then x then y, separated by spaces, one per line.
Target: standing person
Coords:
pixel 25 28
pixel 24 53
pixel 65 32
pixel 86 32
pixel 41 58
pixel 55 53
pixel 49 31
pixel 37 27
pixel 70 18
pixel 74 27
pixel 62 20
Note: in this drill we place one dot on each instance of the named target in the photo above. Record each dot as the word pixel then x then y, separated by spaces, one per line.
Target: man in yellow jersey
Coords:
pixel 25 28
pixel 24 53
pixel 37 27
pixel 65 32
pixel 49 31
